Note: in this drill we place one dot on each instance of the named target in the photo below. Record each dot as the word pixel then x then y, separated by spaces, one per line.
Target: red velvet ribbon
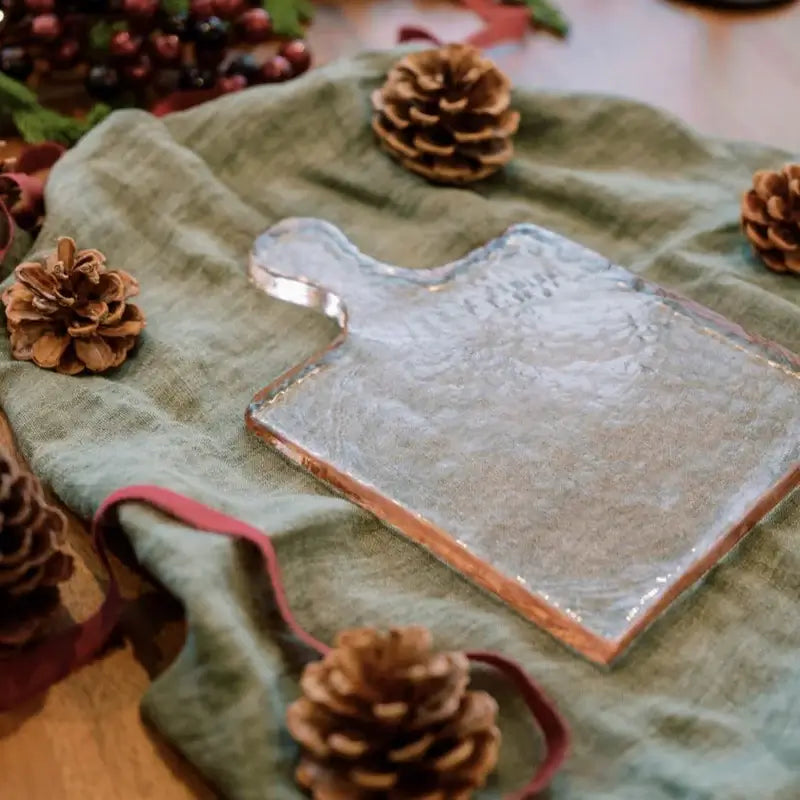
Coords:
pixel 28 180
pixel 183 100
pixel 502 23
pixel 32 671
pixel 6 230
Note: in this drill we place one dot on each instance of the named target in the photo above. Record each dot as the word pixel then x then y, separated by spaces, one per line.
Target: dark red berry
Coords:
pixel 165 49
pixel 74 25
pixel 192 78
pixel 297 54
pixel 200 9
pixel 229 9
pixel 46 27
pixel 143 9
pixel 255 25
pixel 16 63
pixel 138 73
pixel 67 54
pixel 246 65
pixel 210 34
pixel 232 83
pixel 103 82
pixel 210 59
pixel 124 45
pixel 40 6
pixel 276 70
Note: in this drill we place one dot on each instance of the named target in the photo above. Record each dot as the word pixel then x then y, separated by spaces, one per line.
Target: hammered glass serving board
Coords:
pixel 579 442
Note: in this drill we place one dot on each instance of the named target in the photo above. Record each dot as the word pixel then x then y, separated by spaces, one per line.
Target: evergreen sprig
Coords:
pixel 288 16
pixel 35 123
pixel 545 14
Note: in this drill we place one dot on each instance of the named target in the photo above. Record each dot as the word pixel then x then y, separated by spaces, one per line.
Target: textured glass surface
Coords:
pixel 575 440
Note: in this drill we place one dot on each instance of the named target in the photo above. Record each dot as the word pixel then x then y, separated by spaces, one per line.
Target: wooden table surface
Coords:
pixel 734 75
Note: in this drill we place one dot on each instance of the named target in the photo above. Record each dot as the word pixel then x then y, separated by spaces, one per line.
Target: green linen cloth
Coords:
pixel 706 705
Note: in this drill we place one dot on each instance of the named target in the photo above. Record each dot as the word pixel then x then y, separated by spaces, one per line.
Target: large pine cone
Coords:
pixel 70 313
pixel 384 718
pixel 31 564
pixel 771 217
pixel 445 114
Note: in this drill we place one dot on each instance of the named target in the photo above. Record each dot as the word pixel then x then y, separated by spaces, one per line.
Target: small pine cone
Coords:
pixel 445 114
pixel 384 718
pixel 70 313
pixel 771 217
pixel 31 564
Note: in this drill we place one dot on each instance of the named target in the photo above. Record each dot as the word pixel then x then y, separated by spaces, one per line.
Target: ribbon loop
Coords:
pixel 32 671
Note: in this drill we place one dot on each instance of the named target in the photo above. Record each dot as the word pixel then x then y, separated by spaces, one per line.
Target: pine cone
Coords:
pixel 70 313
pixel 31 565
pixel 771 217
pixel 384 718
pixel 445 114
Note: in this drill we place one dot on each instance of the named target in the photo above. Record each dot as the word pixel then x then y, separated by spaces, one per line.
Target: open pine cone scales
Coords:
pixel 382 717
pixel 771 217
pixel 445 114
pixel 31 563
pixel 70 313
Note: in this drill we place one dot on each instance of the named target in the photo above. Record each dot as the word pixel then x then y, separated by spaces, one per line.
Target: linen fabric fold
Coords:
pixel 704 706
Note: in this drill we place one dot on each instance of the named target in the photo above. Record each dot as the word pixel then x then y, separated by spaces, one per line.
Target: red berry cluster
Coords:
pixel 145 50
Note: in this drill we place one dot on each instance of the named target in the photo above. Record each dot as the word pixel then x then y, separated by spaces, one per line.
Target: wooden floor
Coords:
pixel 734 75
pixel 730 74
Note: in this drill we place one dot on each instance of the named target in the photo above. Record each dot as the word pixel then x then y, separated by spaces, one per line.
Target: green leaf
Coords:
pixel 545 15
pixel 173 7
pixel 42 125
pixel 97 113
pixel 305 10
pixel 288 16
pixel 13 94
pixel 38 124
pixel 100 35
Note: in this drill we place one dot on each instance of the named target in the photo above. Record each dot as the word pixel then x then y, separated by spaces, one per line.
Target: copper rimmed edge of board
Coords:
pixel 596 648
